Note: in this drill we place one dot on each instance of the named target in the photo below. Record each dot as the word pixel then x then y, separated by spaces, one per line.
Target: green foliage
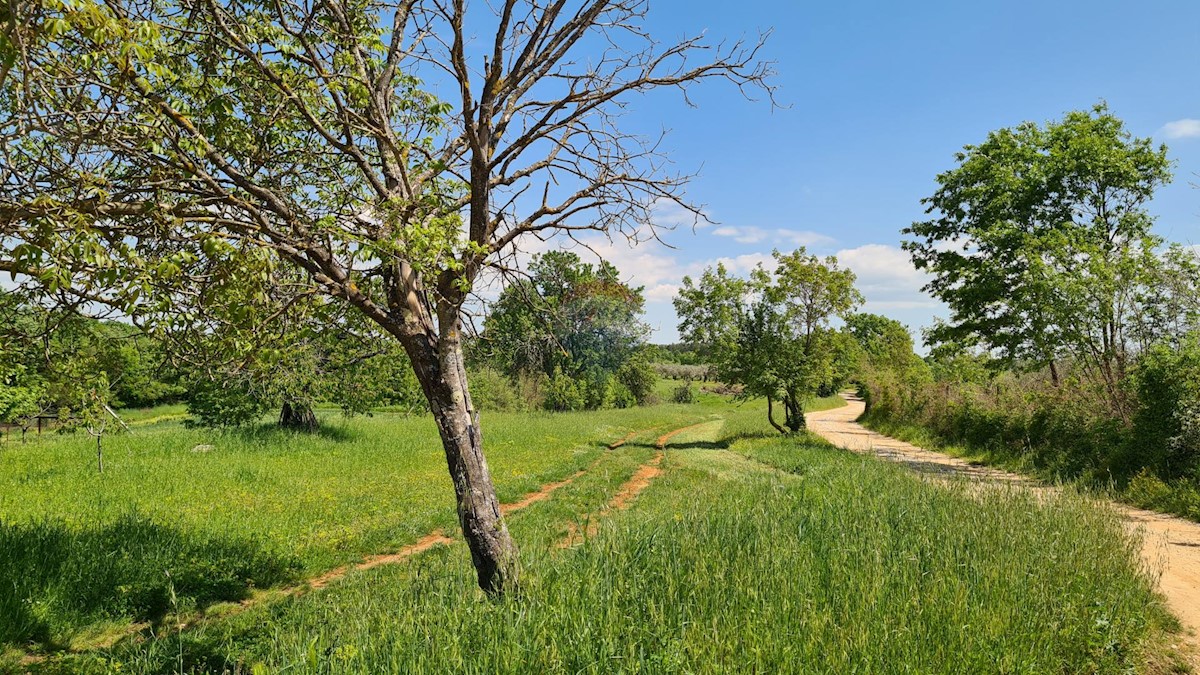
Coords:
pixel 493 390
pixel 56 362
pixel 597 388
pixel 681 354
pixel 684 393
pixel 225 403
pixel 569 315
pixel 771 334
pixel 1167 420
pixel 1041 245
pixel 622 397
pixel 1060 432
pixel 709 310
pixel 577 324
pixel 638 378
pixel 563 393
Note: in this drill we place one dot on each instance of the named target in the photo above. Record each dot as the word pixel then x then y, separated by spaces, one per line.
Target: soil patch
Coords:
pixel 630 489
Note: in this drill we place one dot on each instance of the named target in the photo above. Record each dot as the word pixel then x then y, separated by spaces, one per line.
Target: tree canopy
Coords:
pixel 771 333
pixel 568 315
pixel 1041 245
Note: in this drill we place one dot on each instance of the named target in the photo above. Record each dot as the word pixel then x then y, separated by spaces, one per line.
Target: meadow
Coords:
pixel 750 553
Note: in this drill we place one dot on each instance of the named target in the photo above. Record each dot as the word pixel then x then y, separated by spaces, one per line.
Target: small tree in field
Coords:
pixel 148 140
pixel 771 334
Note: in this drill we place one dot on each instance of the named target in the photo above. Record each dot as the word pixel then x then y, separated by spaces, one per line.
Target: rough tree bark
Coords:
pixel 298 416
pixel 794 408
pixel 439 367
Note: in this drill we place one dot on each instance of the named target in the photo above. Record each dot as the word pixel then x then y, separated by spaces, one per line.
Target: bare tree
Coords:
pixel 146 139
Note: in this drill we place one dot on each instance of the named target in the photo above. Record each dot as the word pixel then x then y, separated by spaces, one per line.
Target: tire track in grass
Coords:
pixel 425 543
pixel 629 490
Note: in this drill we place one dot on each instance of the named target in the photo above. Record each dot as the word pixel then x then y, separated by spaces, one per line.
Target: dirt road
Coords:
pixel 1170 547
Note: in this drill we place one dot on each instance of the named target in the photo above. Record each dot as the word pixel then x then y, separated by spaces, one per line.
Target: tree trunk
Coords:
pixel 771 416
pixel 795 413
pixel 439 368
pixel 298 417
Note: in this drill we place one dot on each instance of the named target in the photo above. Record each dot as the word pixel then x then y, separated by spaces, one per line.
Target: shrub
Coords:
pixel 562 393
pixel 597 390
pixel 622 397
pixel 638 377
pixel 1147 490
pixel 530 389
pixel 1167 383
pixel 491 390
pixel 684 393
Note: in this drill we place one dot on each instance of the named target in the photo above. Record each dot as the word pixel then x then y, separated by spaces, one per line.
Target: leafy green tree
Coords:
pixel 709 309
pixel 149 142
pixel 638 378
pixel 1040 243
pixel 569 316
pixel 883 343
pixel 771 333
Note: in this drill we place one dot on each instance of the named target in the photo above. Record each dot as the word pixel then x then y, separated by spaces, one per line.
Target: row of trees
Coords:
pixel 1042 248
pixel 571 328
pixel 58 363
pixel 773 334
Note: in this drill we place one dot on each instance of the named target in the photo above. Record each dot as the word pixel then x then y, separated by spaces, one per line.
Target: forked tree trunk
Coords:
pixel 440 370
pixel 795 412
pixel 298 417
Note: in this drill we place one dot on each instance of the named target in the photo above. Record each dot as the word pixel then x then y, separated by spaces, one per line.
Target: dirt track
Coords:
pixel 1170 546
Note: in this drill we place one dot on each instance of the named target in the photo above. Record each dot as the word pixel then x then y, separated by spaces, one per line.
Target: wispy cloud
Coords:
pixel 887 278
pixel 669 215
pixel 1180 129
pixel 781 236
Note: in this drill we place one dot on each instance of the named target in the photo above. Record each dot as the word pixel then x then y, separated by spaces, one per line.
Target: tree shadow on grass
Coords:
pixel 56 579
pixel 723 444
pixel 272 433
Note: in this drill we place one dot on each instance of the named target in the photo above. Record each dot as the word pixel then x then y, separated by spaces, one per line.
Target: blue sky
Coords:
pixel 880 96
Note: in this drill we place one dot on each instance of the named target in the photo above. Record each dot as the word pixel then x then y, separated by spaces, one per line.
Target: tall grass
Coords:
pixel 774 555
pixel 82 552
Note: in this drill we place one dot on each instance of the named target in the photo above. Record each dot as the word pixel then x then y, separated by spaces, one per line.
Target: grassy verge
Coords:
pixel 1144 490
pixel 750 554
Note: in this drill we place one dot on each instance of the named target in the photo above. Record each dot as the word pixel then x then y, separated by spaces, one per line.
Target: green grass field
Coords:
pixel 751 553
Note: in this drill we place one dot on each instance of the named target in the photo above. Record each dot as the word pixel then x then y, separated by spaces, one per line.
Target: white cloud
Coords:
pixel 670 215
pixel 741 264
pixel 782 236
pixel 1179 129
pixel 887 278
pixel 804 238
pixel 742 235
pixel 662 293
